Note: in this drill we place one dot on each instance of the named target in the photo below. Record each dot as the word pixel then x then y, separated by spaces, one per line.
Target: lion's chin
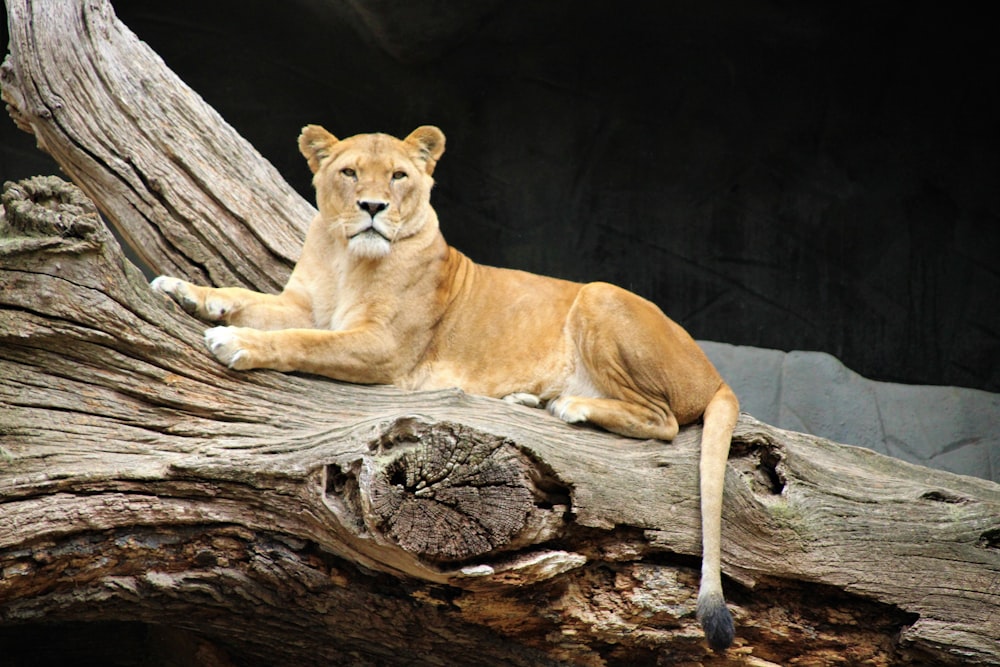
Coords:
pixel 369 244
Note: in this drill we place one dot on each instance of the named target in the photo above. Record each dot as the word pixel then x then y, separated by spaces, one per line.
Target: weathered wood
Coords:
pixel 165 168
pixel 292 520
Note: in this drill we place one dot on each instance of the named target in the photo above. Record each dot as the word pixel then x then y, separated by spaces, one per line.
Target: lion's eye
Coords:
pixel 398 175
pixel 350 173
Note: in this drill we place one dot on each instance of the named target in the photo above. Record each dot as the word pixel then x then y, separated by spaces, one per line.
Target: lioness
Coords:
pixel 378 296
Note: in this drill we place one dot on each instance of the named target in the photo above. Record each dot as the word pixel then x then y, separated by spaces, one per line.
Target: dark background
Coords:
pixel 789 175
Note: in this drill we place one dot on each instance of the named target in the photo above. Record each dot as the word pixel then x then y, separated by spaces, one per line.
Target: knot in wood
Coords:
pixel 446 492
pixel 47 206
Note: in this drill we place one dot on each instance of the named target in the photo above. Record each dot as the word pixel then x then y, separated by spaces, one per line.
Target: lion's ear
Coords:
pixel 315 144
pixel 429 140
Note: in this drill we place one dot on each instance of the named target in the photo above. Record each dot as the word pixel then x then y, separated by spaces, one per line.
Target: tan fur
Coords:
pixel 379 297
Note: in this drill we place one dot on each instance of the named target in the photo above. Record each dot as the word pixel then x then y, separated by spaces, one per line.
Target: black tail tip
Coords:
pixel 717 622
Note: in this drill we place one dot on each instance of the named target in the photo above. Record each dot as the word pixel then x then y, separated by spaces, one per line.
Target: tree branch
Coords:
pixel 175 179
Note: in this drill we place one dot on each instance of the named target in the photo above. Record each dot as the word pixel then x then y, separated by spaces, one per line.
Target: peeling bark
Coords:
pixel 259 518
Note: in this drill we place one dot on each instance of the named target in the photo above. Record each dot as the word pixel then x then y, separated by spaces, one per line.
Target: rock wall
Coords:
pixel 949 428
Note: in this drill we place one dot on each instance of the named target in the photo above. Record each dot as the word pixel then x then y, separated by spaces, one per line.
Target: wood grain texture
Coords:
pixel 164 167
pixel 141 481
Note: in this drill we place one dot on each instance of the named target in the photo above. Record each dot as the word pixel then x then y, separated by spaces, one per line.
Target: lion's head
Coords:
pixel 373 187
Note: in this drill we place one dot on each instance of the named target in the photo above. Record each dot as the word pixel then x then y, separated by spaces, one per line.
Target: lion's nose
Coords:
pixel 372 206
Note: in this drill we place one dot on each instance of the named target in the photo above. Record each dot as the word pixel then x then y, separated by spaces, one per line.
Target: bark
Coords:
pixel 175 179
pixel 259 518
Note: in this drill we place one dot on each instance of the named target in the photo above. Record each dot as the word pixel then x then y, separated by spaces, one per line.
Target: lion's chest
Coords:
pixel 337 317
pixel 339 312
pixel 338 298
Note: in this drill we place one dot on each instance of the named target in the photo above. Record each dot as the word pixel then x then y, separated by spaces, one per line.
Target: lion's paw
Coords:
pixel 178 290
pixel 215 309
pixel 225 344
pixel 523 398
pixel 191 298
pixel 569 409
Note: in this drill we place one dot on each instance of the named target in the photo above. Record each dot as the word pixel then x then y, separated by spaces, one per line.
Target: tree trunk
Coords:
pixel 256 518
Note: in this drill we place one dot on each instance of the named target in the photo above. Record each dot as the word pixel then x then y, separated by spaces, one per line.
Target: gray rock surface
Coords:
pixel 948 428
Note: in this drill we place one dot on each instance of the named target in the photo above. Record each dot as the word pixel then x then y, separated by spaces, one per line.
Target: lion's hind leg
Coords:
pixel 622 417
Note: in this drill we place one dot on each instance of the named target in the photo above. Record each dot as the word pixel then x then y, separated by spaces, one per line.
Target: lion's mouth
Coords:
pixel 369 232
pixel 369 242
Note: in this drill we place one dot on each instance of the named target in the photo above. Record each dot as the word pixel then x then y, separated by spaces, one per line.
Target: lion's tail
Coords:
pixel 720 419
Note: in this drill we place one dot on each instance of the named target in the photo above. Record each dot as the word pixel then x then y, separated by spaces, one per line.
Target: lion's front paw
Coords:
pixel 225 344
pixel 568 409
pixel 197 301
pixel 178 290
